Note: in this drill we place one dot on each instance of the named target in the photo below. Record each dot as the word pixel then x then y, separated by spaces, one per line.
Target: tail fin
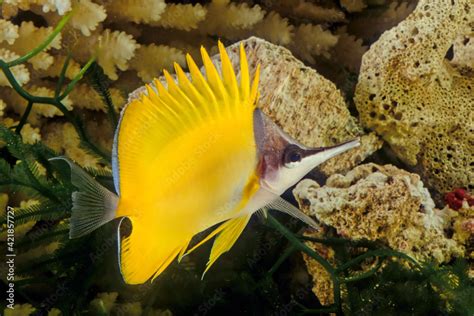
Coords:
pixel 93 205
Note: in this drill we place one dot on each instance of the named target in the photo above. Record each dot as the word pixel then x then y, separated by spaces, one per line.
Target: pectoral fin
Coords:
pixel 286 207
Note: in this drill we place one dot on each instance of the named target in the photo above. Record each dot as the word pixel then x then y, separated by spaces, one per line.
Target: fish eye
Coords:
pixel 292 156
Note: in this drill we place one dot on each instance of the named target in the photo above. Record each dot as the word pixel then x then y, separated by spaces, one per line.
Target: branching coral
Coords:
pixel 62 138
pixel 114 50
pixel 274 29
pixel 152 59
pixel 85 97
pixel 20 72
pixel 138 11
pixel 29 134
pixel 310 40
pixel 411 95
pixel 18 104
pixel 87 16
pixel 181 16
pixel 8 31
pixel 224 17
pixel 29 37
pixel 54 70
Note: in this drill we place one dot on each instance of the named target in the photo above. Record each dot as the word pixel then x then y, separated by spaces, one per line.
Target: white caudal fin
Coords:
pixel 92 206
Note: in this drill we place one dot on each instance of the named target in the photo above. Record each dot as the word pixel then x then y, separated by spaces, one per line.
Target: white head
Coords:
pixel 282 160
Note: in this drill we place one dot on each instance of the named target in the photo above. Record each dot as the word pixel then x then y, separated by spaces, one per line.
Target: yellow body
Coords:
pixel 186 161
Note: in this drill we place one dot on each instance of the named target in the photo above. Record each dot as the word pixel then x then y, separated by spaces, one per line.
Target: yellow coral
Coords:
pixel 83 96
pixel 87 16
pixel 138 11
pixel 29 134
pixel 311 40
pixel 18 104
pixel 274 28
pixel 21 73
pixel 55 69
pixel 61 6
pixel 410 94
pixel 181 16
pixel 62 137
pixel 29 37
pixel 114 49
pixel 8 31
pixel 150 60
pixel 225 17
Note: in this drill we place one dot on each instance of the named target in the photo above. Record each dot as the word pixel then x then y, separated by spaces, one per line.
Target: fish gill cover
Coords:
pixel 396 233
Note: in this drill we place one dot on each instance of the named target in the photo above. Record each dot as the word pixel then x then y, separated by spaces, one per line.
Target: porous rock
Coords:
pixel 419 101
pixel 382 203
pixel 385 204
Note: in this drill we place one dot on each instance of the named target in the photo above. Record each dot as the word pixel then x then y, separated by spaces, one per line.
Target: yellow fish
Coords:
pixel 187 156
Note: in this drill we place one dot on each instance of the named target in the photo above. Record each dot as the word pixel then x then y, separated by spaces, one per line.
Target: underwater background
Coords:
pixel 396 215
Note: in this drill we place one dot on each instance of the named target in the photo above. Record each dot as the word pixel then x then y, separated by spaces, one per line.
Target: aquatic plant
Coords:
pixel 367 277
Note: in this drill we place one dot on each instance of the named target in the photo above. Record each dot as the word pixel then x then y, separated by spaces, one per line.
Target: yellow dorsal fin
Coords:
pixel 227 238
pixel 244 74
pixel 214 80
pixel 230 81
pixel 162 115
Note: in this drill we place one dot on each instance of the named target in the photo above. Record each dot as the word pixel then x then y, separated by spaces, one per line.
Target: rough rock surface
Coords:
pixel 382 203
pixel 421 103
pixel 386 204
pixel 306 105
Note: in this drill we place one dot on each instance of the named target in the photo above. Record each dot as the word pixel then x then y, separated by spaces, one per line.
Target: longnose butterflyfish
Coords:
pixel 188 155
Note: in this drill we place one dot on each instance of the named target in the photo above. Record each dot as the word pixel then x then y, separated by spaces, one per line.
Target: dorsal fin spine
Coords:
pixel 189 90
pixel 173 96
pixel 181 96
pixel 244 74
pixel 215 81
pixel 167 100
pixel 228 74
pixel 200 82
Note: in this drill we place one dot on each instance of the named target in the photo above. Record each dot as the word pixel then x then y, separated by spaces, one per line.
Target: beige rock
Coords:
pixel 382 203
pixel 412 96
pixel 306 105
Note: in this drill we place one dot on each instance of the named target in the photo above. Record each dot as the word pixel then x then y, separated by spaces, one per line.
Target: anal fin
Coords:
pixel 149 249
pixel 229 233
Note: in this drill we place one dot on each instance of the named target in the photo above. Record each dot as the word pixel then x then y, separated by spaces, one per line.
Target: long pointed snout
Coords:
pixel 320 155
